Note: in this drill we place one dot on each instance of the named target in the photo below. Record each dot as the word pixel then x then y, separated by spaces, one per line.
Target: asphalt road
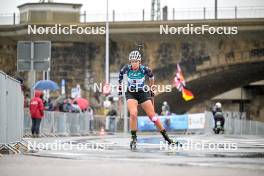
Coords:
pixel 110 155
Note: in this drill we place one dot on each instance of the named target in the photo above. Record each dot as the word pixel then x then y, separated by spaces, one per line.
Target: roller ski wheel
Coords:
pixel 133 144
pixel 177 143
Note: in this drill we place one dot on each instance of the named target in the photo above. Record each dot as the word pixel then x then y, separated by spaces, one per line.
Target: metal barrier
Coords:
pixel 27 123
pixel 236 124
pixel 60 124
pixel 84 124
pixel 203 123
pixel 111 123
pixel 73 124
pixel 11 114
pixel 76 124
pixel 47 124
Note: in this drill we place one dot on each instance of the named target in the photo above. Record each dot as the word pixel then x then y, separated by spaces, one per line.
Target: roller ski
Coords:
pixel 133 143
pixel 167 139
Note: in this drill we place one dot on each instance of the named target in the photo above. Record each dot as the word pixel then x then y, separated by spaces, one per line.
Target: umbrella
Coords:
pixel 83 103
pixel 46 85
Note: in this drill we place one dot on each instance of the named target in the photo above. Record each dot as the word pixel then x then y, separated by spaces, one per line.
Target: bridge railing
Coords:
pixel 177 14
pixel 9 18
pixel 145 15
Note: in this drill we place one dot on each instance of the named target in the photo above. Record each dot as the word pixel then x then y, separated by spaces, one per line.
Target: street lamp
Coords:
pixel 216 10
pixel 107 47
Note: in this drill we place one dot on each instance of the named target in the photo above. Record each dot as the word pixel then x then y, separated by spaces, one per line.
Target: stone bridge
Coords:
pixel 212 64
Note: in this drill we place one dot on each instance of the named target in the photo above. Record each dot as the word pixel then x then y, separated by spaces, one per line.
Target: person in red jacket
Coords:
pixel 36 108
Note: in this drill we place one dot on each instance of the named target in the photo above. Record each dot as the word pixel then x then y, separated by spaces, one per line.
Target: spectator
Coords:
pixel 112 112
pixel 36 108
pixel 75 107
pixel 60 107
pixel 49 105
pixel 165 108
pixel 66 107
pixel 91 118
pixel 26 100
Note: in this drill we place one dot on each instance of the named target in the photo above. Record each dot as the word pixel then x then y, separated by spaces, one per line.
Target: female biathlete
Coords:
pixel 136 94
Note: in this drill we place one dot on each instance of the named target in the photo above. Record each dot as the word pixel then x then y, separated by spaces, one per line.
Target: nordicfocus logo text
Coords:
pixel 65 30
pixel 199 30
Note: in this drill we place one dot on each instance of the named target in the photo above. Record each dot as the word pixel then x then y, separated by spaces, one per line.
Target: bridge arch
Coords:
pixel 212 81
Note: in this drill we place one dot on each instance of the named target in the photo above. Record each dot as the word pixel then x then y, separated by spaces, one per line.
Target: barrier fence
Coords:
pixel 203 13
pixel 77 124
pixel 11 114
pixel 235 124
pixel 56 123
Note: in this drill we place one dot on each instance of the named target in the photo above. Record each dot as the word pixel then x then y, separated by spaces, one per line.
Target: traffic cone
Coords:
pixel 102 131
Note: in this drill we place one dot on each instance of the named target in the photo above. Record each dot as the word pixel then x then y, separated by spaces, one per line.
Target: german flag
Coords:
pixel 187 95
pixel 180 85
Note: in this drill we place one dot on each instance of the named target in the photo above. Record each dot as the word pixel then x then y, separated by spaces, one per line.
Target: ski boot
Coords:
pixel 133 143
pixel 166 138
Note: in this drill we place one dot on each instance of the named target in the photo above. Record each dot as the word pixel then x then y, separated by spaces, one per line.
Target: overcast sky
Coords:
pixel 98 6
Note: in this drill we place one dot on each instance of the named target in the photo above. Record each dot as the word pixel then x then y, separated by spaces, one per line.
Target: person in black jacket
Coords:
pixel 218 114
